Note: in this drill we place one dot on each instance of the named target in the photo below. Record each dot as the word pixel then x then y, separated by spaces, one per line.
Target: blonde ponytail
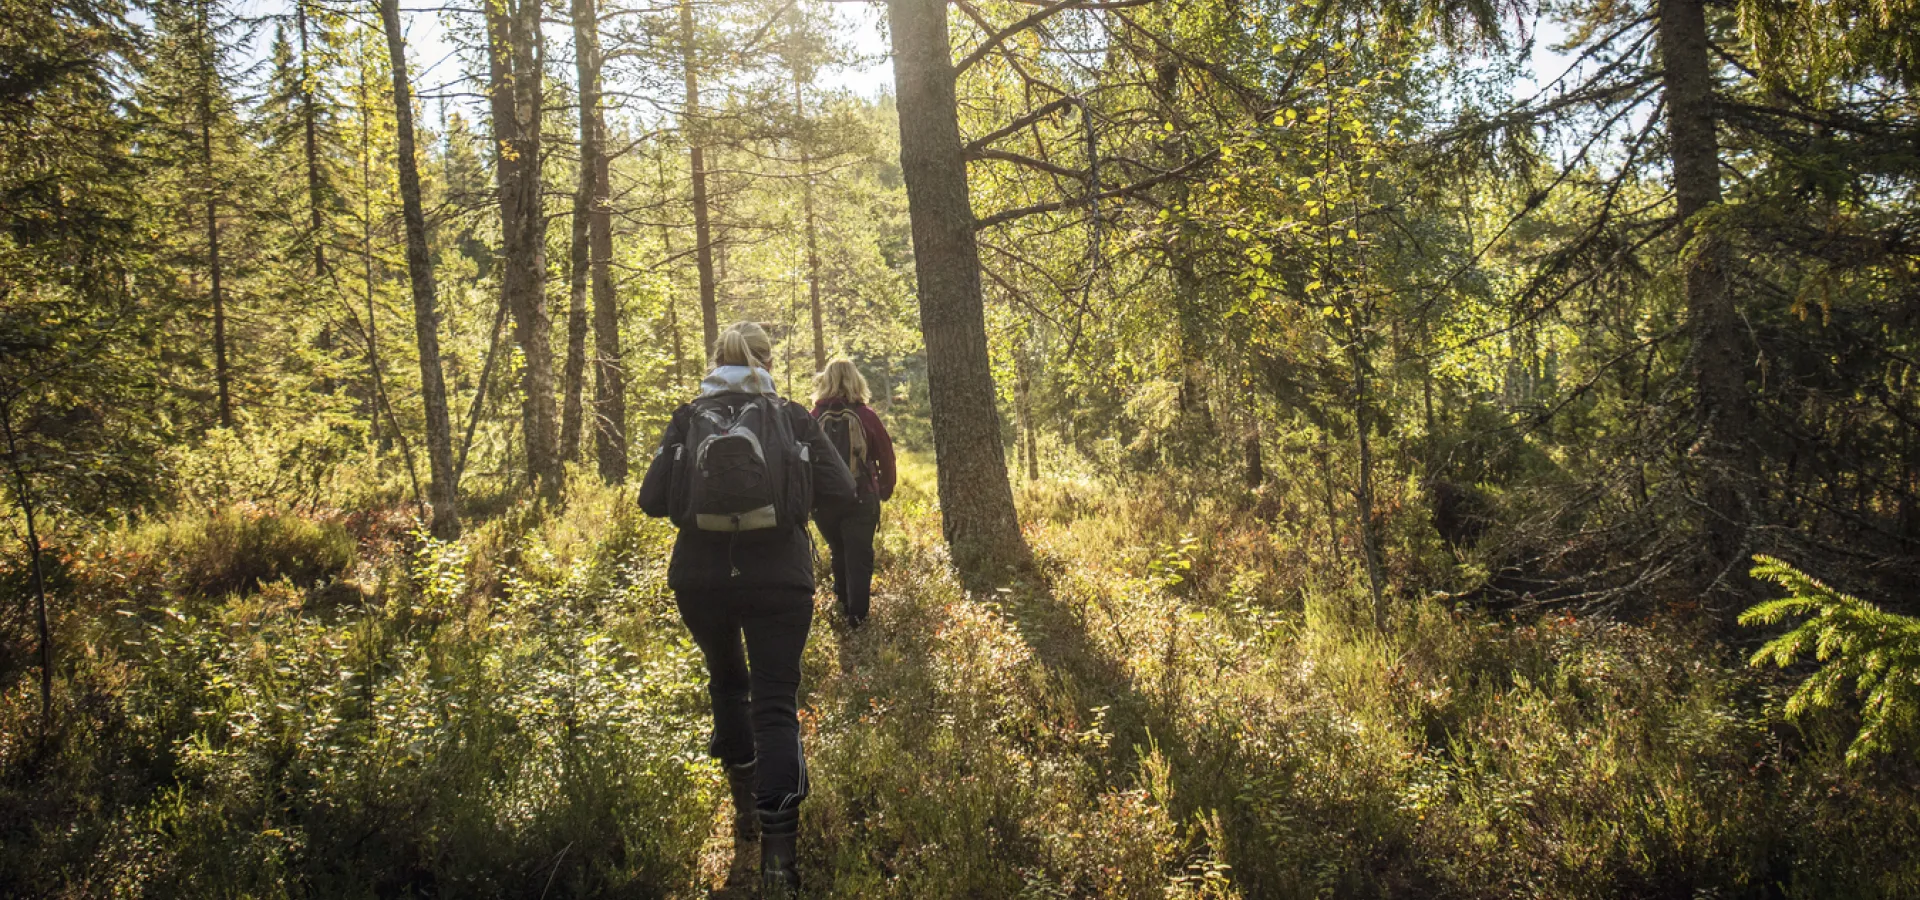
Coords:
pixel 841 381
pixel 743 344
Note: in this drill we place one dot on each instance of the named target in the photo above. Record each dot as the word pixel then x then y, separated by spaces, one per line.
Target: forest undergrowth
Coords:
pixel 1188 698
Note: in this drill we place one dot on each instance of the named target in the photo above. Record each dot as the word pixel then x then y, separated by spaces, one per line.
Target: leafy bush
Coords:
pixel 231 550
pixel 540 737
pixel 1875 652
pixel 297 465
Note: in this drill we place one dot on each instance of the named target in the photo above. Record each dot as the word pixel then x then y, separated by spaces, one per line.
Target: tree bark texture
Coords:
pixel 1717 362
pixel 697 155
pixel 976 501
pixel 514 61
pixel 609 369
pixel 426 315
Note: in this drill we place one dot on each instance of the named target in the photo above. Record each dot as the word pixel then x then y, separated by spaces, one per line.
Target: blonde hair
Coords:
pixel 743 344
pixel 841 381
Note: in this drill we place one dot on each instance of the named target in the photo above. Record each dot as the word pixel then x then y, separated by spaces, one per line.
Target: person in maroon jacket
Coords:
pixel 855 430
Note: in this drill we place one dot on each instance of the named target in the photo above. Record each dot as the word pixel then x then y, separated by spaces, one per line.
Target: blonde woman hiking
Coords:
pixel 739 470
pixel 856 432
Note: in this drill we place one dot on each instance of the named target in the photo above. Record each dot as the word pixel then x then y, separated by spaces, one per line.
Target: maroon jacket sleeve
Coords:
pixel 879 450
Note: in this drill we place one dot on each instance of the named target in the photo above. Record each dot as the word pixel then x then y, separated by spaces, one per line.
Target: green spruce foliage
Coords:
pixel 1862 650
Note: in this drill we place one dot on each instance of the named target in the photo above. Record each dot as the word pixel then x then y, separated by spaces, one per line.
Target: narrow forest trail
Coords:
pixel 989 746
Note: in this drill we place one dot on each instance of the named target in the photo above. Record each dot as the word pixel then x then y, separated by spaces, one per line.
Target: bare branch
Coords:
pixel 1038 16
pixel 988 153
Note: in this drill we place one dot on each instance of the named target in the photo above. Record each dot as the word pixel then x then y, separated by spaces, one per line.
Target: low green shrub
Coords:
pixel 231 550
pixel 540 736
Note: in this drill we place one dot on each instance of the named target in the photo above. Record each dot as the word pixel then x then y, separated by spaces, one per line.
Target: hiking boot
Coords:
pixel 779 835
pixel 746 826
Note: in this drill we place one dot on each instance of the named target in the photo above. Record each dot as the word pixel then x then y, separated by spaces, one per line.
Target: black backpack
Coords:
pixel 740 467
pixel 849 436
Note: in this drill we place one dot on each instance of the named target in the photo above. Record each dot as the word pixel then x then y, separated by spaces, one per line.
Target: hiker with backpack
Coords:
pixel 854 429
pixel 739 470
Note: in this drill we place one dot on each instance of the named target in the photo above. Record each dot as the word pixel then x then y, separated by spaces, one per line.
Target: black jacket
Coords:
pixel 773 558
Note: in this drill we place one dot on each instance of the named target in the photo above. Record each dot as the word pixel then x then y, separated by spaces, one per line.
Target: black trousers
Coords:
pixel 849 533
pixel 756 688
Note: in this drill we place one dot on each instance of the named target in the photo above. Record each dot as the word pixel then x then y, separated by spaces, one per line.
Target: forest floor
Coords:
pixel 1185 703
pixel 1188 698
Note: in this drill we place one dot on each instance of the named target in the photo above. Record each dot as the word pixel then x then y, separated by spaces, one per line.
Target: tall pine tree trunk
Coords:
pixel 1719 367
pixel 609 369
pixel 697 154
pixel 976 502
pixel 426 316
pixel 515 76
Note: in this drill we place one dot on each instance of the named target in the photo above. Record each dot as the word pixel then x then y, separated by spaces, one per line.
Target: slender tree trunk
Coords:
pixel 310 128
pixel 515 70
pixel 673 302
pixel 23 494
pixel 1719 366
pixel 609 368
pixel 697 153
pixel 316 192
pixel 1323 455
pixel 441 491
pixel 374 390
pixel 1023 409
pixel 480 392
pixel 573 376
pixel 221 375
pixel 976 501
pixel 1363 492
pixel 812 226
pixel 1255 473
pixel 383 405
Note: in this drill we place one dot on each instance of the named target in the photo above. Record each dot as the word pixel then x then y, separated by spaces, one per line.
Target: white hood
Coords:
pixel 737 380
